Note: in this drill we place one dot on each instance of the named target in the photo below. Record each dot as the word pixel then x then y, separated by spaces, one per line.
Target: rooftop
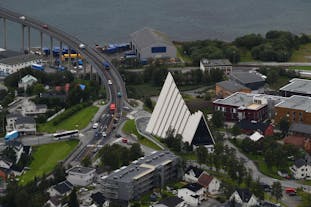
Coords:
pixel 63 187
pixel 171 201
pixel 246 100
pixel 300 128
pixel 141 167
pixel 298 85
pixel 230 85
pixel 247 77
pixel 146 37
pixel 205 179
pixel 249 125
pixel 196 171
pixel 194 187
pixel 302 103
pixel 80 170
pixel 25 120
pixel 28 78
pixel 216 62
pixel 244 194
pixel 19 59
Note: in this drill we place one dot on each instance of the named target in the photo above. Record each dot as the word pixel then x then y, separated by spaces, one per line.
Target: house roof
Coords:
pixel 247 77
pixel 25 120
pixel 231 86
pixel 17 168
pixel 146 37
pixel 244 194
pixel 205 179
pixel 98 198
pixel 300 128
pixel 298 85
pixel 27 149
pixel 56 200
pixel 194 187
pixel 249 125
pixel 171 201
pixel 80 170
pixel 216 62
pixel 63 187
pixel 302 103
pixel 256 136
pixel 303 161
pixel 28 78
pixel 197 171
pixel 295 140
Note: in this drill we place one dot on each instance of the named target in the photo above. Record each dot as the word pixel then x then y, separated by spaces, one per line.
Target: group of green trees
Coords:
pixel 274 46
pixel 211 49
pixel 274 74
pixel 274 154
pixel 114 156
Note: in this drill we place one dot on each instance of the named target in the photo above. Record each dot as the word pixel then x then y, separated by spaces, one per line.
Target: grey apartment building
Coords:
pixel 141 176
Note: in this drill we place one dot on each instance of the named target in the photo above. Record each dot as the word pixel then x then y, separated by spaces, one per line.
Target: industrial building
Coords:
pixel 229 87
pixel 149 43
pixel 141 176
pixel 171 112
pixel 252 80
pixel 297 86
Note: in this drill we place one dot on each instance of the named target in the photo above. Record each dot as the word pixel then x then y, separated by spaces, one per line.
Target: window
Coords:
pixel 158 49
pixel 223 109
pixel 234 110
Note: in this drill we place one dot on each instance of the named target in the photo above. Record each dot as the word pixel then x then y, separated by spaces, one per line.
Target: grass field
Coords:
pixel 302 54
pixel 78 121
pixel 46 157
pixel 130 128
pixel 180 54
pixel 300 67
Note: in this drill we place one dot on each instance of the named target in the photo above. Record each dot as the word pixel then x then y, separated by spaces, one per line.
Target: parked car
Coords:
pixel 95 125
pixel 124 140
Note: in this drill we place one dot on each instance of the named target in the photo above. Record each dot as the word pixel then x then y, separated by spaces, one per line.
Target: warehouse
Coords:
pixel 149 43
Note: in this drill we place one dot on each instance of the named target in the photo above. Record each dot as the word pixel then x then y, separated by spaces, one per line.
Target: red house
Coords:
pixel 240 106
pixel 249 127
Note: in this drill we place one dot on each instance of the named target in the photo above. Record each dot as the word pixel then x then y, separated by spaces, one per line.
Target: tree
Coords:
pixel 135 152
pixel 86 162
pixel 148 102
pixel 218 119
pixel 284 126
pixel 73 200
pixel 277 190
pixel 236 130
pixel 202 154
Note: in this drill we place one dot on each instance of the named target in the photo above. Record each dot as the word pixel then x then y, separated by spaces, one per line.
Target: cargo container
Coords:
pixel 37 67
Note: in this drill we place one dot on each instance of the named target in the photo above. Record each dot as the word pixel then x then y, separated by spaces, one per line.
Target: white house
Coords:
pixel 192 174
pixel 244 197
pixel 5 164
pixel 209 182
pixel 22 124
pixel 81 176
pixel 221 64
pixel 302 168
pixel 193 194
pixel 29 108
pixel 27 81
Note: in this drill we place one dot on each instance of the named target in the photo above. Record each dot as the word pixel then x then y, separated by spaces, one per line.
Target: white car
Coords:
pixel 82 46
pixel 22 18
pixel 95 125
pixel 109 82
pixel 104 134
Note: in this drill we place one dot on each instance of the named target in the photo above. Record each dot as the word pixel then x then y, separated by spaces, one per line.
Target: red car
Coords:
pixel 124 140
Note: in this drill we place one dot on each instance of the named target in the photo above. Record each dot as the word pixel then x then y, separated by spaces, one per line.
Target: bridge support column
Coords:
pixel 69 58
pixel 41 41
pixel 4 33
pixel 23 39
pixel 91 72
pixel 29 39
pixel 51 50
pixel 60 52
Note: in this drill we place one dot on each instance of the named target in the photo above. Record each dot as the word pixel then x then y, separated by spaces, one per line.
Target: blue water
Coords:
pixel 103 21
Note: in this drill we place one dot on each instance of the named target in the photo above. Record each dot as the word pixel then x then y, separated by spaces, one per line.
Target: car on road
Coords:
pixel 109 82
pixel 104 134
pixel 81 46
pixel 118 135
pixel 119 94
pixel 95 125
pixel 45 26
pixel 124 140
pixel 22 18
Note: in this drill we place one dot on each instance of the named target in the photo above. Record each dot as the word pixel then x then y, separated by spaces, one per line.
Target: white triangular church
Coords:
pixel 172 112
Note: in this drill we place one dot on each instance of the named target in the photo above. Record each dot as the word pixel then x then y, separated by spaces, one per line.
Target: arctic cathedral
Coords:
pixel 171 112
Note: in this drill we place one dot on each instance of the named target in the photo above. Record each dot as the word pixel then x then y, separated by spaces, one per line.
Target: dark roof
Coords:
pixel 216 62
pixel 244 194
pixel 17 168
pixel 63 187
pixel 98 198
pixel 267 204
pixel 300 128
pixel 56 200
pixel 25 120
pixel 231 86
pixel 27 150
pixel 13 115
pixel 197 171
pixel 247 77
pixel 194 187
pixel 171 201
pixel 303 161
pixel 249 125
pixel 205 179
pixel 15 144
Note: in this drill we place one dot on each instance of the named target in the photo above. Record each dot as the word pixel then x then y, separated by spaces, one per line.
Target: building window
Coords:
pixel 234 110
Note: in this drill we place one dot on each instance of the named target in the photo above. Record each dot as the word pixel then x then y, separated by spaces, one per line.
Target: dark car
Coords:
pixel 118 135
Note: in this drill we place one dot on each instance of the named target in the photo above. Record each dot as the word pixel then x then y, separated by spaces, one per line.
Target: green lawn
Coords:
pixel 281 81
pixel 130 128
pixel 46 157
pixel 181 55
pixel 302 54
pixel 78 121
pixel 300 67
